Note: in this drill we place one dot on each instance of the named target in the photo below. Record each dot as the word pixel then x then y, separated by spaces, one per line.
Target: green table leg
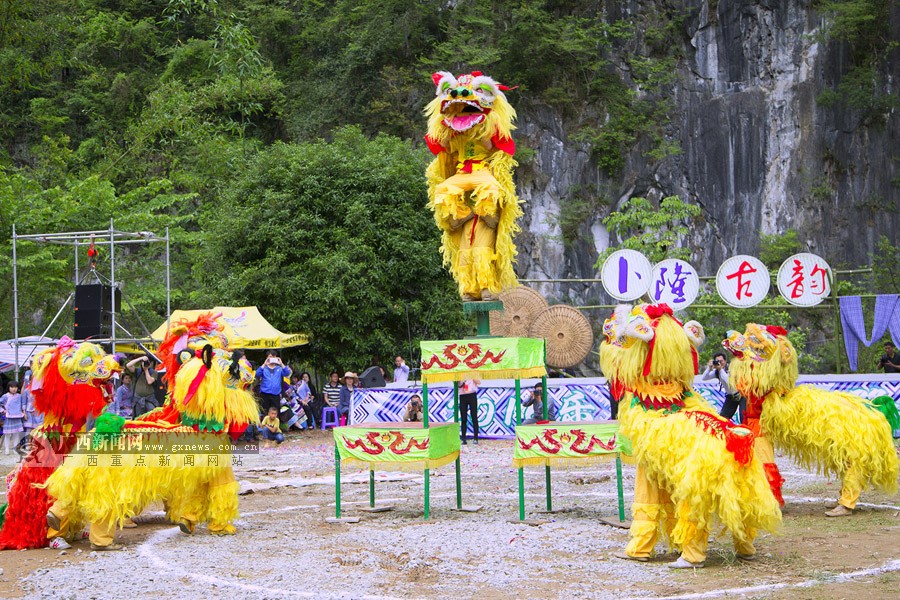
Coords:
pixel 458 486
pixel 549 488
pixel 427 493
pixel 337 483
pixel 521 494
pixel 371 488
pixel 619 487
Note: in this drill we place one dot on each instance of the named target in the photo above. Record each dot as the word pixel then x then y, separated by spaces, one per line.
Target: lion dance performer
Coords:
pixel 838 434
pixel 208 399
pixel 70 384
pixel 693 466
pixel 470 185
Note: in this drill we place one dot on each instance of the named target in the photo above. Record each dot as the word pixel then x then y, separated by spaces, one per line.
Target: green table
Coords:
pixel 565 444
pixel 396 447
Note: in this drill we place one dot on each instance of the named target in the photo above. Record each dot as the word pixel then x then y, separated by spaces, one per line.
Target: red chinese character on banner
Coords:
pixel 796 283
pixel 743 287
pixel 818 287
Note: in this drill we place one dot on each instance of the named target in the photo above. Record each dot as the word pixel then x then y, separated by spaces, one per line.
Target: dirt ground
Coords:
pixel 285 548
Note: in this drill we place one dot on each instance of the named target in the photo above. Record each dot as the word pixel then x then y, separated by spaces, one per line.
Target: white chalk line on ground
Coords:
pixel 888 567
pixel 814 500
pixel 146 550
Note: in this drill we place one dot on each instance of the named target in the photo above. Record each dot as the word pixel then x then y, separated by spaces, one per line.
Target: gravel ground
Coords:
pixel 284 547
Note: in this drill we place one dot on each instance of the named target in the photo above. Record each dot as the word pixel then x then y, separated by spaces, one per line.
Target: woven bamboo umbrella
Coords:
pixel 520 306
pixel 567 333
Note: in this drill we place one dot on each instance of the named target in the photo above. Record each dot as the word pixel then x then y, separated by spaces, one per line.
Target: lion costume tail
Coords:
pixel 832 431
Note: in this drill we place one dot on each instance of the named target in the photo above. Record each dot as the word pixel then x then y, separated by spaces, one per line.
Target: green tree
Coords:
pixel 658 233
pixel 334 239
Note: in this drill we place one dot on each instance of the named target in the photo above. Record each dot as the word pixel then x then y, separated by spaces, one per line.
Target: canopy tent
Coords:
pixel 28 349
pixel 244 326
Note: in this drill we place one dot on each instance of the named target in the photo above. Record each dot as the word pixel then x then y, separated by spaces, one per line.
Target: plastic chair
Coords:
pixel 329 417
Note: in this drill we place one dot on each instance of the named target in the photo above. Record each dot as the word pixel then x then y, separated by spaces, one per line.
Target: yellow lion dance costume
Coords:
pixel 693 466
pixel 177 454
pixel 470 185
pixel 835 433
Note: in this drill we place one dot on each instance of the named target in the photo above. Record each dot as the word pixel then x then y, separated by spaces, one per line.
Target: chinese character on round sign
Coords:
pixel 626 275
pixel 742 281
pixel 804 279
pixel 674 282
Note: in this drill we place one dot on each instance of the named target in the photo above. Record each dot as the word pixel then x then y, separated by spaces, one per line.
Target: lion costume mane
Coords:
pixel 693 466
pixel 69 385
pixel 470 184
pixel 834 433
pixel 208 399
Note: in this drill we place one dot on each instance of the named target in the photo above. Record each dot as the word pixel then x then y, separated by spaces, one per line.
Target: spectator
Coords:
pixel 717 369
pixel 350 381
pixel 890 360
pixel 14 416
pixel 144 378
pixel 298 398
pixel 414 412
pixel 123 403
pixel 332 390
pixel 535 399
pixel 313 408
pixel 468 403
pixel 271 426
pixel 401 371
pixel 270 375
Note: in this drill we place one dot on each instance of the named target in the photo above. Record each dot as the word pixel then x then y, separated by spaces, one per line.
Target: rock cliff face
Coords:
pixel 758 153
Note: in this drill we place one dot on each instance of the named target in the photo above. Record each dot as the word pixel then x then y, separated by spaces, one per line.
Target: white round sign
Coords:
pixel 626 275
pixel 804 279
pixel 674 282
pixel 742 281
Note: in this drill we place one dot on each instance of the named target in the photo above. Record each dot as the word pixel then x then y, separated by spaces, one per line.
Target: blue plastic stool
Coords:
pixel 329 417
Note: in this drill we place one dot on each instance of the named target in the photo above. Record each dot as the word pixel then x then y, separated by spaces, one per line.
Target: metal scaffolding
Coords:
pixel 78 240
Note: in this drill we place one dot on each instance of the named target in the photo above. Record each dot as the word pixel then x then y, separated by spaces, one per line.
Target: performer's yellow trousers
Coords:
pixel 850 488
pixel 450 194
pixel 653 510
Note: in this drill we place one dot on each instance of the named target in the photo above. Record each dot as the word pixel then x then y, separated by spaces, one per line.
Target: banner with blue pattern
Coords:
pixel 581 399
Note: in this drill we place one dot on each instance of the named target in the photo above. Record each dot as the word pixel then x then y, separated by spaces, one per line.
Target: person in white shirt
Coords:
pixel 401 371
pixel 718 369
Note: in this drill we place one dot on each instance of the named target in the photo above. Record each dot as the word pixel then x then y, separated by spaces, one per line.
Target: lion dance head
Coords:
pixel 764 360
pixel 471 105
pixel 208 383
pixel 651 353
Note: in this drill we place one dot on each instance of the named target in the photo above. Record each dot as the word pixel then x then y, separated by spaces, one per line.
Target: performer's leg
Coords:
pixel 223 502
pixel 765 453
pixel 693 540
pixel 103 533
pixel 645 516
pixel 745 549
pixel 850 490
pixel 58 521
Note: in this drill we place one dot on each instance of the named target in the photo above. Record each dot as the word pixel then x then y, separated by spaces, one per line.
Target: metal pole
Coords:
pixel 77 279
pixel 521 470
pixel 371 488
pixel 337 482
pixel 547 482
pixel 168 287
pixel 425 405
pixel 456 419
pixel 15 302
pixel 837 324
pixel 112 291
pixel 619 487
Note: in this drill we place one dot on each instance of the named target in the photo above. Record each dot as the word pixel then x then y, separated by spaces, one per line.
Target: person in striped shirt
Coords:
pixel 331 391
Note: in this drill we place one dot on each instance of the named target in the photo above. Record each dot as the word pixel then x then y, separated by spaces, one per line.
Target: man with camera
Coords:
pixel 270 376
pixel 718 369
pixel 414 413
pixel 144 377
pixel 535 399
pixel 890 360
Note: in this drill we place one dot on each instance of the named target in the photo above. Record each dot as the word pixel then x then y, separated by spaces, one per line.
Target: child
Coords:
pixel 271 426
pixel 11 404
pixel 33 418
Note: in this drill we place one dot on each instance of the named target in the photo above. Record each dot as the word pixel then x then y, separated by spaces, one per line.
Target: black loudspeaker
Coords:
pixel 372 378
pixel 93 317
